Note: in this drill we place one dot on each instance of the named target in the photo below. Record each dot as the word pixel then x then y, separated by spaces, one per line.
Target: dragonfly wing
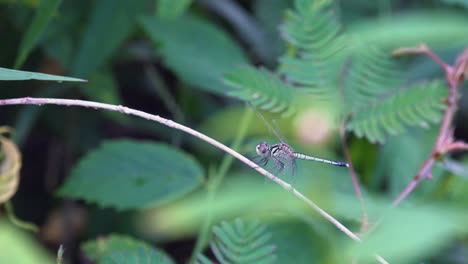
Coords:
pixel 260 160
pixel 284 167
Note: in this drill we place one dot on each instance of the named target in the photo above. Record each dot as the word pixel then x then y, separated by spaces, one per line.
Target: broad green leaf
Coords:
pixel 297 243
pixel 127 174
pixel 438 29
pixel 463 3
pixel 10 165
pixel 140 256
pixel 400 159
pixel 123 249
pixel 170 9
pixel 404 235
pixel 61 38
pixel 20 247
pixel 269 14
pixel 200 61
pixel 47 9
pixel 15 75
pixel 111 22
pixel 236 195
pixel 242 241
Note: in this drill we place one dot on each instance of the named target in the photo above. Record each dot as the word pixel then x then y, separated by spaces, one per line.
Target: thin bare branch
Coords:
pixel 355 180
pixel 455 146
pixel 443 143
pixel 422 49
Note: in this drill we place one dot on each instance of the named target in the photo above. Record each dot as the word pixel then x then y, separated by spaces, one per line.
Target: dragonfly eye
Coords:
pixel 262 148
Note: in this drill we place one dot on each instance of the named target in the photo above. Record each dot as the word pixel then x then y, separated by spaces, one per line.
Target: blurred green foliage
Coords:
pixel 321 62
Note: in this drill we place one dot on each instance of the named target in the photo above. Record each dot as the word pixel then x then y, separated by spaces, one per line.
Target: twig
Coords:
pixel 455 146
pixel 355 180
pixel 172 124
pixel 443 144
pixel 422 49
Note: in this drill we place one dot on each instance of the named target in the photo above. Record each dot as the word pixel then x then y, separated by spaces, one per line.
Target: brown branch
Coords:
pixel 355 180
pixel 422 49
pixel 443 143
pixel 455 146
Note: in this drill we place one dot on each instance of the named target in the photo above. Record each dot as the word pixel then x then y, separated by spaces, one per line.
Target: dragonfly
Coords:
pixel 283 156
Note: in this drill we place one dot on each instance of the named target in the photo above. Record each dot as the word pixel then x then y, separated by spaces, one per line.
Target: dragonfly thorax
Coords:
pixel 281 149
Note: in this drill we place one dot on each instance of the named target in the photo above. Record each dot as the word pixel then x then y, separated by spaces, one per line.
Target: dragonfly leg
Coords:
pixel 280 165
pixel 262 161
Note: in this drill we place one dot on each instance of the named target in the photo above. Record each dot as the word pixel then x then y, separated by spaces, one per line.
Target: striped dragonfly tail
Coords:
pixel 332 162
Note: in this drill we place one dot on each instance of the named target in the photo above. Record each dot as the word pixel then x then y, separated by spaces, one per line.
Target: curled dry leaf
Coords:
pixel 9 169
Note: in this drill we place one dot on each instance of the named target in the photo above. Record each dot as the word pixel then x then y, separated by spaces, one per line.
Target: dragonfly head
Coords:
pixel 262 148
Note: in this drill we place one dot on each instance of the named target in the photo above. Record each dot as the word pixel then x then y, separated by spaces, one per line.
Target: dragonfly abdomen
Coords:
pixel 332 162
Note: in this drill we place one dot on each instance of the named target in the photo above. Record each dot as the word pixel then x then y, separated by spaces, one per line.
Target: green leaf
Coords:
pixel 371 74
pixel 123 249
pixel 170 9
pixel 20 247
pixel 297 243
pixel 47 8
pixel 111 22
pixel 185 217
pixel 419 105
pixel 404 235
pixel 315 45
pixel 437 28
pixel 269 14
pixel 140 256
pixel 401 157
pixel 128 174
pixel 216 53
pixel 15 75
pixel 242 241
pixel 261 88
pixel 57 41
pixel 463 3
pixel 202 259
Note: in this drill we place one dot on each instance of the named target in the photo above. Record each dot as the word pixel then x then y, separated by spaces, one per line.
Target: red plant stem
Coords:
pixel 445 131
pixel 455 146
pixel 355 180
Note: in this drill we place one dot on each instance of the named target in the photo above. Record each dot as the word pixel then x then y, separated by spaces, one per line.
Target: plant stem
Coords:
pixel 355 180
pixel 172 124
pixel 445 136
pixel 215 182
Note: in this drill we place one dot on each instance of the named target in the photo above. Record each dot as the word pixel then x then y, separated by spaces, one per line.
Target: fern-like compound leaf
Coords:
pixel 202 259
pixel 261 88
pixel 417 105
pixel 241 242
pixel 371 74
pixel 315 42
